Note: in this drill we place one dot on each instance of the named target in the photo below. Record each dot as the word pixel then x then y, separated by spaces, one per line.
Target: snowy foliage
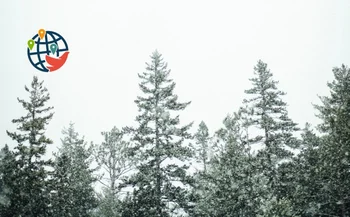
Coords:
pixel 114 164
pixel 253 166
pixel 30 192
pixel 157 139
pixel 73 178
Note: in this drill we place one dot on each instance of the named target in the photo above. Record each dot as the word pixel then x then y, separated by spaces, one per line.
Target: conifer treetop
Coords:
pixel 338 102
pixel 265 87
pixel 266 109
pixel 33 123
pixel 155 83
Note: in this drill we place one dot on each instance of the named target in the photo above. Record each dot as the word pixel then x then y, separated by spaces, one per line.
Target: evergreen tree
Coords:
pixel 62 195
pixel 303 188
pixel 112 157
pixel 158 144
pixel 233 185
pixel 32 197
pixel 108 205
pixel 7 186
pixel 202 148
pixel 335 153
pixel 73 177
pixel 267 115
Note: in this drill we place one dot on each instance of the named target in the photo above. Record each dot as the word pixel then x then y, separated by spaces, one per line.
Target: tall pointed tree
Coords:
pixel 73 171
pixel 267 115
pixel 31 176
pixel 201 154
pixel 335 153
pixel 232 187
pixel 303 188
pixel 159 145
pixel 7 185
pixel 202 141
pixel 62 197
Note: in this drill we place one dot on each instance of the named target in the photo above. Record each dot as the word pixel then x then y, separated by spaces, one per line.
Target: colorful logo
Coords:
pixel 47 51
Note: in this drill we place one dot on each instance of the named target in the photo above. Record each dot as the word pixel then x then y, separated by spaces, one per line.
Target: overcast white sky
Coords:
pixel 210 46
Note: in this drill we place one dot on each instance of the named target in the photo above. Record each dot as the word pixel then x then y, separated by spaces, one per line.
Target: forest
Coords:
pixel 259 163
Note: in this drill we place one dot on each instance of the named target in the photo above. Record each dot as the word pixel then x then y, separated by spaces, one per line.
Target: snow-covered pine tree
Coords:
pixel 62 194
pixel 201 154
pixel 32 196
pixel 303 187
pixel 232 185
pixel 202 145
pixel 335 152
pixel 267 115
pixel 111 156
pixel 158 139
pixel 76 156
pixel 7 184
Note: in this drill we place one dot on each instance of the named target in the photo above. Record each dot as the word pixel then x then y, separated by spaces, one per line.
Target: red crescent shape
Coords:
pixel 56 63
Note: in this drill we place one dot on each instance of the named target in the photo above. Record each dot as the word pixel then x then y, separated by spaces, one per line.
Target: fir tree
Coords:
pixel 304 187
pixel 73 171
pixel 7 185
pixel 267 114
pixel 62 196
pixel 108 205
pixel 31 196
pixel 202 148
pixel 233 185
pixel 158 143
pixel 335 153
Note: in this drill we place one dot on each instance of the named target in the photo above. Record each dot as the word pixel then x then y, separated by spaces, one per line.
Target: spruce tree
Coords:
pixel 303 188
pixel 202 141
pixel 62 196
pixel 201 150
pixel 267 115
pixel 158 143
pixel 335 153
pixel 232 183
pixel 7 185
pixel 73 170
pixel 32 197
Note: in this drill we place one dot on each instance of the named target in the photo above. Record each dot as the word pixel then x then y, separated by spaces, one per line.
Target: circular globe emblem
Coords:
pixel 47 51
